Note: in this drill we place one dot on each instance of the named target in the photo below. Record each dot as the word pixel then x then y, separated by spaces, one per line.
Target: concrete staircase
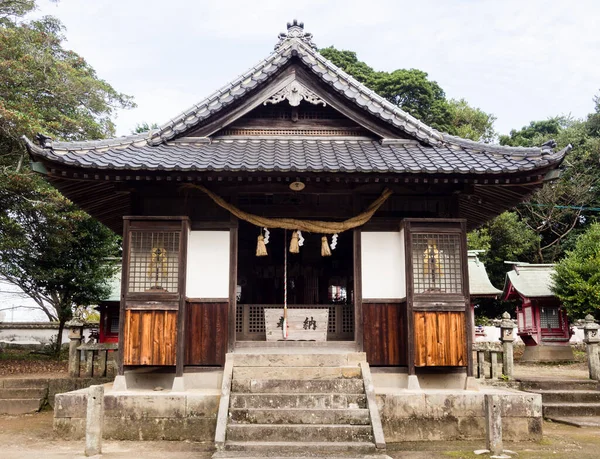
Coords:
pixel 575 402
pixel 22 396
pixel 301 404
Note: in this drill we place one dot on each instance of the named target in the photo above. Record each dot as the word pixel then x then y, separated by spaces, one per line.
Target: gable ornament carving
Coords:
pixel 295 93
pixel 295 29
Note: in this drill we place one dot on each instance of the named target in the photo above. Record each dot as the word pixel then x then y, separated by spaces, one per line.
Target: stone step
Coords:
pixel 304 373
pixel 577 421
pixel 299 416
pixel 291 432
pixel 298 359
pixel 17 406
pixel 569 396
pixel 303 401
pixel 35 393
pixel 293 448
pixel 570 409
pixel 282 455
pixel 23 383
pixel 561 384
pixel 282 386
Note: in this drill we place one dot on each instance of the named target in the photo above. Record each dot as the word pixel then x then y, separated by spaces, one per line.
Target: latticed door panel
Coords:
pixel 153 262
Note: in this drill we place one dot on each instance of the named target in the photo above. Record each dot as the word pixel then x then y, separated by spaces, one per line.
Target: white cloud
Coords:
pixel 519 60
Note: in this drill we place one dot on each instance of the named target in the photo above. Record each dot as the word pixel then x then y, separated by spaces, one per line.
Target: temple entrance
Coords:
pixel 313 281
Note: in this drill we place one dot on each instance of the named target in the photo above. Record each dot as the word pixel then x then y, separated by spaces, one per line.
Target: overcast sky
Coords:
pixel 521 60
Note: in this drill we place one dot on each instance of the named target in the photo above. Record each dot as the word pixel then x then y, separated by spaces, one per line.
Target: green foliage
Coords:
pixel 45 87
pixel 577 276
pixel 506 238
pixel 472 123
pixel 140 128
pixel 52 250
pixel 412 91
pixel 409 89
pixel 555 211
pixel 536 133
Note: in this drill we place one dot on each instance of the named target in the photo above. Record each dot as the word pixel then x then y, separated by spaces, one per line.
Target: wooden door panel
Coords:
pixel 206 333
pixel 440 339
pixel 384 333
pixel 149 337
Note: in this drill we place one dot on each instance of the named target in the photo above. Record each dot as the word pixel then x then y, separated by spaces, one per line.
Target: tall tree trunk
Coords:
pixel 61 327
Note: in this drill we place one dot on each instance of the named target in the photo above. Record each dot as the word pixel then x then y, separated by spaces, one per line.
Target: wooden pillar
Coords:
pixel 124 277
pixel 181 315
pixel 358 315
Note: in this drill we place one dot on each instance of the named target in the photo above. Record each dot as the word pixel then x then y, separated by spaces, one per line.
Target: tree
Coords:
pixel 577 276
pixel 505 238
pixel 140 128
pixel 410 90
pixel 45 87
pixel 472 123
pixel 49 248
pixel 53 251
pixel 557 211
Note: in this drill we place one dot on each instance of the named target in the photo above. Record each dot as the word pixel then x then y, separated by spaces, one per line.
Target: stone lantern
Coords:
pixel 591 332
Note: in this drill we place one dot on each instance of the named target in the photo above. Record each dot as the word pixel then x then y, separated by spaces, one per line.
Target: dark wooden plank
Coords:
pixel 206 338
pixel 385 339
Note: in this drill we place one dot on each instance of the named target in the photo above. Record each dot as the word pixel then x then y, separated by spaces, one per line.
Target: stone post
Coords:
pixel 94 421
pixel 493 423
pixel 75 333
pixel 507 338
pixel 591 332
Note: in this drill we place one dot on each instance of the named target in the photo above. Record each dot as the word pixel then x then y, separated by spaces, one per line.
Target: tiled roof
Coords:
pixel 479 282
pixel 306 155
pixel 531 280
pixel 437 152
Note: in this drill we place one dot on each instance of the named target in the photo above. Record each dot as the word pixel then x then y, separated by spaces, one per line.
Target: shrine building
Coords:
pixel 293 188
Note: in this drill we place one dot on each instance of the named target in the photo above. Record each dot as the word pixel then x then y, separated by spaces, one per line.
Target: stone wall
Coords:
pixel 145 415
pixel 427 415
pixel 456 415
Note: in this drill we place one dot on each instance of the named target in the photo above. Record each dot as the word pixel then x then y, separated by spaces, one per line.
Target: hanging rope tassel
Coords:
pixel 261 248
pixel 325 252
pixel 294 245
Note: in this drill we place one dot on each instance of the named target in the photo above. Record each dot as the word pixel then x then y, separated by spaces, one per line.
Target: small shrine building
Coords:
pixel 294 150
pixel 542 321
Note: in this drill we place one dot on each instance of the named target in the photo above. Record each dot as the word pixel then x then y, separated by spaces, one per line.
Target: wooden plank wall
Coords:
pixel 384 328
pixel 150 337
pixel 206 333
pixel 440 339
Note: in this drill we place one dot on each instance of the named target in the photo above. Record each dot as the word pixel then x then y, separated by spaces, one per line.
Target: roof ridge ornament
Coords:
pixel 295 29
pixel 295 92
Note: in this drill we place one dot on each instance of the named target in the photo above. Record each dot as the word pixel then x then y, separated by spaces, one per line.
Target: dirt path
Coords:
pixel 31 436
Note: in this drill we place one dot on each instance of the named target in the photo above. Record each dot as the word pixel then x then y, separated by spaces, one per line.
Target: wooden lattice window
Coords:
pixel 550 318
pixel 154 261
pixel 437 263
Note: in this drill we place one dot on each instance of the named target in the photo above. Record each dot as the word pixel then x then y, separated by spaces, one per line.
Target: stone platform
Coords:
pixel 547 353
pixel 435 408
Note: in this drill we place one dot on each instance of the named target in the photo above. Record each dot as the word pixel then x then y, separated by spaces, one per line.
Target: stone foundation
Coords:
pixel 142 415
pixel 440 411
pixel 547 353
pixel 445 415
